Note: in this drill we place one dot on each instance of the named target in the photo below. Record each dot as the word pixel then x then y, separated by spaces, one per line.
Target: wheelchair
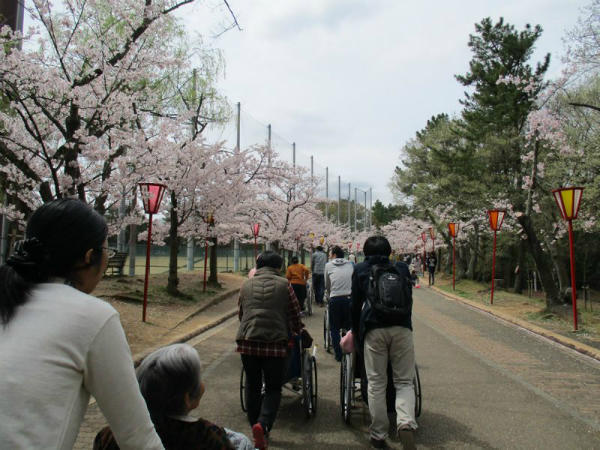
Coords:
pixel 302 365
pixel 353 386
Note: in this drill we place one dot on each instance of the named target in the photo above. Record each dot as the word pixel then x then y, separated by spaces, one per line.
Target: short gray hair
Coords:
pixel 166 375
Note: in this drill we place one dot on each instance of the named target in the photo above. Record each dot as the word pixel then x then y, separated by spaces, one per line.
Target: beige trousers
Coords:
pixel 394 344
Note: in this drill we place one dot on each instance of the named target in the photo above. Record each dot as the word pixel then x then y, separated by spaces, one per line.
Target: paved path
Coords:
pixel 486 384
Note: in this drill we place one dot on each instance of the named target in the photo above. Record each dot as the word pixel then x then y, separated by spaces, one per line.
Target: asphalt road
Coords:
pixel 486 384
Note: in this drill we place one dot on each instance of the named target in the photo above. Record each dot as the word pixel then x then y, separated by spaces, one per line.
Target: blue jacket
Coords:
pixel 361 322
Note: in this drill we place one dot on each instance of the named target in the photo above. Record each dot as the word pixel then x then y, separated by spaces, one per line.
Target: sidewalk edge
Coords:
pixel 555 337
pixel 139 357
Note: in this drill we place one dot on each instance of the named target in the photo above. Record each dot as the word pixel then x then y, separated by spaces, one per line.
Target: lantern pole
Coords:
pixel 493 269
pixel 573 289
pixel 148 241
pixel 453 264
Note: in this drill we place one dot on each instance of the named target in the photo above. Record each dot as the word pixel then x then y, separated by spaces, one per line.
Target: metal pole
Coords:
pixel 339 199
pixel 355 209
pixel 370 207
pixel 365 218
pixel 493 269
pixel 573 289
pixel 453 264
pixel 294 154
pixel 312 167
pixel 236 242
pixel 349 200
pixel 327 193
pixel 148 240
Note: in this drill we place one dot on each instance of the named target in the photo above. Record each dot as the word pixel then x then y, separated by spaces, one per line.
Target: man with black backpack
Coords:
pixel 381 320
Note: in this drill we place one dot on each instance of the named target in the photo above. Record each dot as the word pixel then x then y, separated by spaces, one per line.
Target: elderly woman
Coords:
pixel 58 343
pixel 170 382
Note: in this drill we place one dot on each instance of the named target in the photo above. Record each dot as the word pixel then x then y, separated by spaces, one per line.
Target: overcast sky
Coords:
pixel 350 81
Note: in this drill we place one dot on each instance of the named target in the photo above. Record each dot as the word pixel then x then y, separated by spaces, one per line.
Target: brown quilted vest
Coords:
pixel 264 300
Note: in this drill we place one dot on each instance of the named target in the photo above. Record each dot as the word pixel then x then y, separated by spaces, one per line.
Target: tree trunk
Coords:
pixel 474 253
pixel 543 266
pixel 519 275
pixel 173 280
pixel 212 278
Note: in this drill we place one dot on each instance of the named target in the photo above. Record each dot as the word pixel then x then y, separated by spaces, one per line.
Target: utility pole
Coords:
pixel 236 242
pixel 355 209
pixel 326 193
pixel 370 207
pixel 339 199
pixel 349 201
pixel 365 219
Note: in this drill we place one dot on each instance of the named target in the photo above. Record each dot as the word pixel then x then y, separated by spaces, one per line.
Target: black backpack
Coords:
pixel 389 294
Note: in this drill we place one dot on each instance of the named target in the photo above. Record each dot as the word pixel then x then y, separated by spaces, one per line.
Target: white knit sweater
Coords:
pixel 61 346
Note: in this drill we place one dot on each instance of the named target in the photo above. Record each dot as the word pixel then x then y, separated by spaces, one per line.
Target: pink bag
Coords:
pixel 347 342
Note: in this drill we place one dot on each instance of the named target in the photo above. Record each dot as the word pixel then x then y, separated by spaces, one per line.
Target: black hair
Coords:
pixel 57 236
pixel 294 260
pixel 337 251
pixel 269 259
pixel 377 245
pixel 319 248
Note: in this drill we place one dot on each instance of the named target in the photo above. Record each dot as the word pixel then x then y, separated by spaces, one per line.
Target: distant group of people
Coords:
pixel 59 344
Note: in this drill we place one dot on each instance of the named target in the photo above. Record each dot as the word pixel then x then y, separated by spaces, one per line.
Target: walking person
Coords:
pixel 338 282
pixel 431 266
pixel 384 330
pixel 269 316
pixel 317 267
pixel 59 344
pixel 297 274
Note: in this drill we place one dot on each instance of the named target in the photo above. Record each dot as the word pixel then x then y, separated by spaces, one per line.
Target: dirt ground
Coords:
pixel 165 315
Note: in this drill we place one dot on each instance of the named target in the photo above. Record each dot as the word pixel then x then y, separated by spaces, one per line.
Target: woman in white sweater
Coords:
pixel 58 344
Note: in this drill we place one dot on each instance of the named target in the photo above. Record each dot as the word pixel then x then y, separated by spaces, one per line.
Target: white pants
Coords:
pixel 394 344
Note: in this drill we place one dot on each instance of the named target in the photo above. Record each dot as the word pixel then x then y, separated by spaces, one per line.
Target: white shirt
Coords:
pixel 61 346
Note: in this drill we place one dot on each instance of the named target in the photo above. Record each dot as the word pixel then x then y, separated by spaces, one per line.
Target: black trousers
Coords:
pixel 300 291
pixel 318 280
pixel 263 410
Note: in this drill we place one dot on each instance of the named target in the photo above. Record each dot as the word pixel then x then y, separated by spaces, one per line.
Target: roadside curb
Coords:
pixel 555 337
pixel 139 357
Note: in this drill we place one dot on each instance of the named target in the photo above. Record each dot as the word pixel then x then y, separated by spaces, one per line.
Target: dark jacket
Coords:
pixel 177 435
pixel 264 304
pixel 362 321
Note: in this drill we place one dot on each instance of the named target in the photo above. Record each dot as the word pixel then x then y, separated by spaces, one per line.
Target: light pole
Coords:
pixel 496 217
pixel 568 200
pixel 453 229
pixel 152 194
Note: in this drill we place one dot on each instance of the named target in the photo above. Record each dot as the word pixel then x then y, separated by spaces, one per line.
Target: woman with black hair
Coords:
pixel 59 345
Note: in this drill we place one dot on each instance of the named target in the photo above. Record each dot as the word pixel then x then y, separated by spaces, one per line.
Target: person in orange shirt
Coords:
pixel 297 274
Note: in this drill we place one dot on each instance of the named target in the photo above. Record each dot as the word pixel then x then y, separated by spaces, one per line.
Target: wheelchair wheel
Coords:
pixel 346 386
pixel 326 333
pixel 309 385
pixel 417 387
pixel 243 390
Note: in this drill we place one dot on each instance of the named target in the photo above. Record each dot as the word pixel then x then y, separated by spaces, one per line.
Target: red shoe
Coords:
pixel 258 433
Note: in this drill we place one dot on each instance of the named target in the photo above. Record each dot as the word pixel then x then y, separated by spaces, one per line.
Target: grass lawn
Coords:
pixel 532 309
